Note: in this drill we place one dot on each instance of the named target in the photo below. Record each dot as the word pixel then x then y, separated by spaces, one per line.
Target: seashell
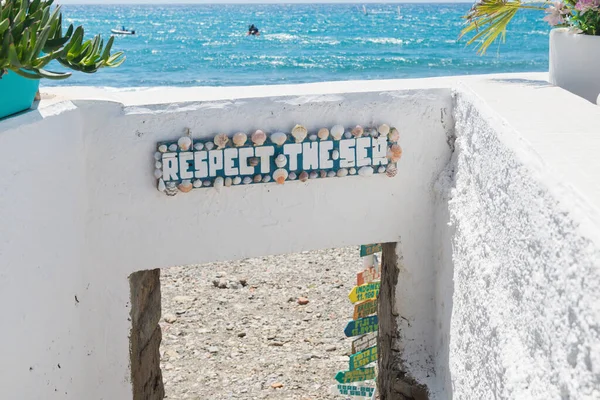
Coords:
pixel 366 171
pixel 267 178
pixel 280 175
pixel 163 148
pixel 185 186
pixel 281 161
pixel 158 173
pixel 299 133
pixel 257 178
pixel 381 169
pixel 209 145
pixel 228 182
pixel 173 147
pixel 352 171
pixel 197 183
pixel 335 154
pixel 247 180
pixel 384 129
pixel 391 170
pixel 323 134
pixel 161 185
pixel 313 175
pixel 239 139
pixel 337 132
pixel 331 174
pixel 342 172
pixel 259 138
pixel 237 180
pixel 312 138
pixel 206 183
pixel 394 135
pixel 279 138
pixel 198 146
pixel 292 176
pixel 171 189
pixel 253 161
pixel 158 165
pixel 323 174
pixel 357 131
pixel 218 183
pixel 184 143
pixel 221 141
pixel 158 156
pixel 303 176
pixel 373 133
pixel 395 152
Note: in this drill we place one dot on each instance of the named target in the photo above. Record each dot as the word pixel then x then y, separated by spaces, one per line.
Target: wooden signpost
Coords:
pixel 364 309
pixel 364 342
pixel 357 375
pixel 368 275
pixel 368 249
pixel 362 326
pixel 363 358
pixel 364 292
pixel 352 390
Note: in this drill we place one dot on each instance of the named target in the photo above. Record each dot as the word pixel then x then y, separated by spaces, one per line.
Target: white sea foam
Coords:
pixel 384 40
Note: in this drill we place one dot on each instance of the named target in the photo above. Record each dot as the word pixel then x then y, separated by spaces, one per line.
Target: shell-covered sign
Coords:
pixel 243 159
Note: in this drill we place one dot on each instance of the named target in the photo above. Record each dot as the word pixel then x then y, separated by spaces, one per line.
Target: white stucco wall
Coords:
pixel 120 223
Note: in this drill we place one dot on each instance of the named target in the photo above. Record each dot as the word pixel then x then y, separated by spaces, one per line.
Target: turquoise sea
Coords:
pixel 191 45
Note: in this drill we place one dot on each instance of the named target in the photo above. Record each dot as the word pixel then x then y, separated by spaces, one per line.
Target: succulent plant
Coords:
pixel 31 36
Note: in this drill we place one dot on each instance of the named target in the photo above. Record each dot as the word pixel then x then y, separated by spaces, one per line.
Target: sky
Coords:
pixel 247 1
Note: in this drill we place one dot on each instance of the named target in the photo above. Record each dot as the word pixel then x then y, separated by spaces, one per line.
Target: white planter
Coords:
pixel 575 63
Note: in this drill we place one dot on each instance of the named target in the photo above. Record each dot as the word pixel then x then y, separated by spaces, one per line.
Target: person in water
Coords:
pixel 253 30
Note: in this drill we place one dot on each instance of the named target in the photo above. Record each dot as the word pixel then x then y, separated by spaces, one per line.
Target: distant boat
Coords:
pixel 365 10
pixel 122 32
pixel 399 11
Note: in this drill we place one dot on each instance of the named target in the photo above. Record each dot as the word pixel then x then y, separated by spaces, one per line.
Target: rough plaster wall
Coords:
pixel 42 240
pixel 526 313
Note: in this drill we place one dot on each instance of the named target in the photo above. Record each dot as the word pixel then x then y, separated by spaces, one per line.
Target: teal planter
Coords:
pixel 16 93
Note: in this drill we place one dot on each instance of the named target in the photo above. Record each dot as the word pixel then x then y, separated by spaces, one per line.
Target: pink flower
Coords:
pixel 557 12
pixel 585 5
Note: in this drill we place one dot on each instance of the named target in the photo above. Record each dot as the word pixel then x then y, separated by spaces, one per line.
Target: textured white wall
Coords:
pixel 526 310
pixel 82 213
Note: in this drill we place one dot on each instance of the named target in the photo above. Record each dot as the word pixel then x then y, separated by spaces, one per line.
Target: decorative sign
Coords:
pixel 351 390
pixel 363 358
pixel 362 326
pixel 300 155
pixel 357 375
pixel 364 308
pixel 369 275
pixel 364 342
pixel 368 249
pixel 364 292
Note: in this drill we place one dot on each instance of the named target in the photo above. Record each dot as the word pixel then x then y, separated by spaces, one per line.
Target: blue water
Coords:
pixel 185 45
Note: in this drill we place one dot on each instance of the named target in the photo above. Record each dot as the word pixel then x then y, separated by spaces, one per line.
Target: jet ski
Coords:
pixel 253 30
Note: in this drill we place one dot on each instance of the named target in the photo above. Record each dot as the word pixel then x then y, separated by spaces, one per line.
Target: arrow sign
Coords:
pixel 363 358
pixel 368 249
pixel 364 292
pixel 357 375
pixel 368 275
pixel 364 342
pixel 362 326
pixel 352 390
pixel 364 308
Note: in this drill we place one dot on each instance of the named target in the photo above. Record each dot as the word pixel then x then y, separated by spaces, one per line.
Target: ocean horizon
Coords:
pixel 207 44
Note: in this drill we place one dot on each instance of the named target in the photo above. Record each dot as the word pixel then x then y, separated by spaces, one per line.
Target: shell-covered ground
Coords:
pixel 242 330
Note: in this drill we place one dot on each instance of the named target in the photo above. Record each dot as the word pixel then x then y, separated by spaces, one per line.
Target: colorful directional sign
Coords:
pixel 364 292
pixel 364 309
pixel 362 326
pixel 357 375
pixel 368 275
pixel 368 249
pixel 364 342
pixel 363 358
pixel 352 390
